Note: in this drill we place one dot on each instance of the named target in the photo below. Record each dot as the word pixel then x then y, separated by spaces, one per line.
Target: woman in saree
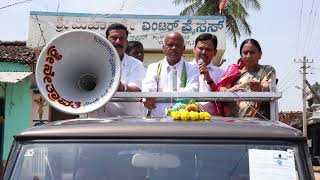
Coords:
pixel 247 76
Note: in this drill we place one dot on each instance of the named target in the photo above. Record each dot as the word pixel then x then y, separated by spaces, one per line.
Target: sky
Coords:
pixel 287 30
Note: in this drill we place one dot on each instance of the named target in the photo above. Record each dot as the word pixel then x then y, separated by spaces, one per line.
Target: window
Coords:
pixel 128 161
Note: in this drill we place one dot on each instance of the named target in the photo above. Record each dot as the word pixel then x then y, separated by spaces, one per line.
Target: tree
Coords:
pixel 235 12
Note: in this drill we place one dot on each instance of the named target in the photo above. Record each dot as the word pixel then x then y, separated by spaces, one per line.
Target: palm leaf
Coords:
pixel 208 8
pixel 251 4
pixel 232 28
pixel 177 2
pixel 191 9
pixel 235 12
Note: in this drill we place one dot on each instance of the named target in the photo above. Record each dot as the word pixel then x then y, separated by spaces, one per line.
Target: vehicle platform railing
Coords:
pixel 271 97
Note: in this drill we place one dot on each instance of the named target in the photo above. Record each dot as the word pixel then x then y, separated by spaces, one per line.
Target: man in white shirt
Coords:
pixel 204 50
pixel 135 49
pixel 132 74
pixel 158 77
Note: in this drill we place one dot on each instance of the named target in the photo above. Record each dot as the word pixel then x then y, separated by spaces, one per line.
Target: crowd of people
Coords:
pixel 175 73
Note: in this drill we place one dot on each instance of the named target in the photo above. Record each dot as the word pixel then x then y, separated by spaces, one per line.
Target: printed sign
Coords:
pixel 148 29
pixel 271 164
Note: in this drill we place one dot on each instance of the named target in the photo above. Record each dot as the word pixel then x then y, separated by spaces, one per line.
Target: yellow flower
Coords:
pixel 185 116
pixel 205 116
pixel 194 116
pixel 176 115
pixel 192 107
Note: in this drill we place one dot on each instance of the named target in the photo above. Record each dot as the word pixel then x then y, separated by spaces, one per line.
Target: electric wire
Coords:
pixel 288 83
pixel 309 29
pixel 288 76
pixel 299 30
pixel 58 6
pixel 290 86
pixel 290 71
pixel 313 77
pixel 14 4
pixel 312 29
pixel 316 39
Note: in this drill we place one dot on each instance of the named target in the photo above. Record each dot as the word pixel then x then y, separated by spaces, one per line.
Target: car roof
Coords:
pixel 133 127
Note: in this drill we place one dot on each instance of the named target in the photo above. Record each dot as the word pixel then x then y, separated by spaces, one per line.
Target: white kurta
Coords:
pixel 216 74
pixel 150 83
pixel 132 74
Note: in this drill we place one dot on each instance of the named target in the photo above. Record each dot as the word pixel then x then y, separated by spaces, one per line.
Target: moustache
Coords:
pixel 202 56
pixel 118 46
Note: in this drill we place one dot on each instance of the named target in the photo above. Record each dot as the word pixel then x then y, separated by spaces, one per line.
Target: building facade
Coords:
pixel 150 30
pixel 16 64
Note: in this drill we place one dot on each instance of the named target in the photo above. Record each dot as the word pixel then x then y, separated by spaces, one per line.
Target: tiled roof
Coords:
pixel 17 52
pixel 292 118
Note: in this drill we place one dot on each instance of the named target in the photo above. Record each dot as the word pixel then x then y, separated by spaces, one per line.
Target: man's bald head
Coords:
pixel 173 47
pixel 176 35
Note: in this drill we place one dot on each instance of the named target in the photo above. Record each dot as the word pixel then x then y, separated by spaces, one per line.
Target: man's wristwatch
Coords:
pixel 210 82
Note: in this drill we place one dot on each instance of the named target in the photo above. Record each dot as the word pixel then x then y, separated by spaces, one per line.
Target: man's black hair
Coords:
pixel 133 44
pixel 205 37
pixel 116 26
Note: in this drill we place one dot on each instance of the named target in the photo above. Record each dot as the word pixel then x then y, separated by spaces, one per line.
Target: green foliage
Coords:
pixel 235 12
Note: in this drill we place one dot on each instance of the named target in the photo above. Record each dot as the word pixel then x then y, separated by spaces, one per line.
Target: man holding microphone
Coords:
pixel 204 50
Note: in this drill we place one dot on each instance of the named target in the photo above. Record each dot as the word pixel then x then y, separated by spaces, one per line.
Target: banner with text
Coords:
pixel 148 29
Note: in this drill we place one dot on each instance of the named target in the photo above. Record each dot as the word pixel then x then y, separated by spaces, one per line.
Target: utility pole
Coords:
pixel 304 103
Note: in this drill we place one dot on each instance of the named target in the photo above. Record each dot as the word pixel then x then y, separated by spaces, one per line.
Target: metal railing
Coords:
pixel 271 97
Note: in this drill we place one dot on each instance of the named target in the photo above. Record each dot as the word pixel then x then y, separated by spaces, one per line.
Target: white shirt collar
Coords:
pixel 178 65
pixel 125 59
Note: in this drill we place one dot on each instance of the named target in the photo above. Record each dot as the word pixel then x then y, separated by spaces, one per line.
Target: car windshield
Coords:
pixel 156 161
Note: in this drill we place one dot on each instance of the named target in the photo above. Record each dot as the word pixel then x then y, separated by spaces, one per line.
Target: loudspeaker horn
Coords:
pixel 78 71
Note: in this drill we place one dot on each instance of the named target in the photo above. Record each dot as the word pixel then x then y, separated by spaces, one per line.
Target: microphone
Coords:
pixel 201 61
